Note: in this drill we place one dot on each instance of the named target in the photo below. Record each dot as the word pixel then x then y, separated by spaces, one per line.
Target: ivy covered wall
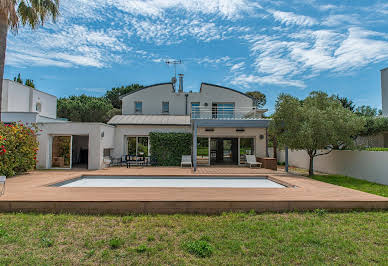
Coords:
pixel 167 148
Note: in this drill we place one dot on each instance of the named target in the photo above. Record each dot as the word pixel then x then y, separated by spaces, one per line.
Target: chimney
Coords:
pixel 180 82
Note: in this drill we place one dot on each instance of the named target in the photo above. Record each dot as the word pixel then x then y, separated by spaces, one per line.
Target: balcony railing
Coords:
pixel 225 113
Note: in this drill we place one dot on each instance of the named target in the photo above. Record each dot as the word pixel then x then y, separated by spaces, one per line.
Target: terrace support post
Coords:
pixel 195 146
pixel 266 143
pixel 286 158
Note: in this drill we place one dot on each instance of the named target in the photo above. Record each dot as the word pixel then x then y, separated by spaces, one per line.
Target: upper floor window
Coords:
pixel 38 107
pixel 195 113
pixel 165 107
pixel 138 107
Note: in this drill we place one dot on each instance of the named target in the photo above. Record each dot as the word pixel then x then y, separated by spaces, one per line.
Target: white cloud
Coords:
pixel 290 18
pixel 248 80
pixel 238 66
pixel 230 9
pixel 304 54
pixel 340 20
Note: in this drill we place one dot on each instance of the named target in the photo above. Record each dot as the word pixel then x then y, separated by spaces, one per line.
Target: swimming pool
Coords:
pixel 171 181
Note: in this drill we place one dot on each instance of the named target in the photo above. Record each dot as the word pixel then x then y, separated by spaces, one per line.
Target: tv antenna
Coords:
pixel 174 62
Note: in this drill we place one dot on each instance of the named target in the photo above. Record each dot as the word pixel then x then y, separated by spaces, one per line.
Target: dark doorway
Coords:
pixel 80 151
pixel 224 151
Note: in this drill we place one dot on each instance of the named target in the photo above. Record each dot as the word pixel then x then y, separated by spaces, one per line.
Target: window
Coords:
pixel 138 107
pixel 38 107
pixel 165 107
pixel 138 146
pixel 195 113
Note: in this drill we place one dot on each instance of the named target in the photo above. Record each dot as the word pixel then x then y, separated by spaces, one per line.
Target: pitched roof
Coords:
pixel 177 120
pixel 146 87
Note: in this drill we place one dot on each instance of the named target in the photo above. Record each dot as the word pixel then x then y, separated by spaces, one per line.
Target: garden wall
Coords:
pixel 367 165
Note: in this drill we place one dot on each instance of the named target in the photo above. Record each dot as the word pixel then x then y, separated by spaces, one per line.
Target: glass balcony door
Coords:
pixel 223 110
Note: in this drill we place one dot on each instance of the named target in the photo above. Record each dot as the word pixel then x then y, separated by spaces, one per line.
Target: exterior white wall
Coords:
pixel 24 117
pixel 122 131
pixel 48 103
pixel 20 98
pixel 152 98
pixel 97 142
pixel 384 91
pixel 260 144
pixel 367 165
pixel 16 97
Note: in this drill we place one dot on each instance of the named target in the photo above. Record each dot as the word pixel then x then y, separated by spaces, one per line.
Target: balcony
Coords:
pixel 226 113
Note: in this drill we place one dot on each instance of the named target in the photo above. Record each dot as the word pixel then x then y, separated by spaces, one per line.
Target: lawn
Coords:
pixel 317 237
pixel 354 183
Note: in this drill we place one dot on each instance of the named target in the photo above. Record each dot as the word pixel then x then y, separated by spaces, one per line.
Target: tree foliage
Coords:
pixel 259 98
pixel 318 122
pixel 85 108
pixel 114 94
pixel 368 111
pixel 346 103
pixel 28 82
pixel 94 109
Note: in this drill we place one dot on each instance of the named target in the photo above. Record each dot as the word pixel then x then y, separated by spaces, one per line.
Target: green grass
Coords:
pixel 354 183
pixel 376 149
pixel 309 238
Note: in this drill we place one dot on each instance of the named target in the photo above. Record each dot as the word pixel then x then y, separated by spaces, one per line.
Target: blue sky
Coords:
pixel 290 46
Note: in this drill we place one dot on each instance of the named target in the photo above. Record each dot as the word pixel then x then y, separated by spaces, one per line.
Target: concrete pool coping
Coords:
pixel 31 192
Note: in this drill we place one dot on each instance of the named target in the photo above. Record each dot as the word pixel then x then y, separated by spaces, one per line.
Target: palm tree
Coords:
pixel 14 13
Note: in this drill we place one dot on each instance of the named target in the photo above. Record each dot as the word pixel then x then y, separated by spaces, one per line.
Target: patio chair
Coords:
pixel 186 160
pixel 251 161
pixel 2 183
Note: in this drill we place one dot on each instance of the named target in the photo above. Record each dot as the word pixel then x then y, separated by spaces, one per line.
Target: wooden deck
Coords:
pixel 31 192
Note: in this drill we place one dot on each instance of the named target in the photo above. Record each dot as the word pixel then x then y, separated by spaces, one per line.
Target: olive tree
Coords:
pixel 316 124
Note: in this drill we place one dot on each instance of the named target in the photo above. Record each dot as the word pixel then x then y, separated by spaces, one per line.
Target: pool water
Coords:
pixel 173 181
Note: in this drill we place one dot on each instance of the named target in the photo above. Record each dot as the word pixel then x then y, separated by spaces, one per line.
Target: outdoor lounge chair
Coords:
pixel 251 160
pixel 2 183
pixel 186 160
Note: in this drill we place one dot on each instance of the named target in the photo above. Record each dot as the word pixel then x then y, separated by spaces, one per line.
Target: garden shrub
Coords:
pixel 18 148
pixel 167 148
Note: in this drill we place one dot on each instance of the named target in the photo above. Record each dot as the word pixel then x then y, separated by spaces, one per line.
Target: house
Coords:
pixel 225 123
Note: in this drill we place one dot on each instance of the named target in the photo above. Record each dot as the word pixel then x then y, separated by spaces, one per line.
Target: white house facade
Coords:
pixel 225 123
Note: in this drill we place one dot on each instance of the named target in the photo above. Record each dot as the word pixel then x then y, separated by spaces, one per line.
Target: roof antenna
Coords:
pixel 174 62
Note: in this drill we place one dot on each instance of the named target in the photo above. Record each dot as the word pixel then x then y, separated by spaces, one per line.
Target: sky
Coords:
pixel 293 46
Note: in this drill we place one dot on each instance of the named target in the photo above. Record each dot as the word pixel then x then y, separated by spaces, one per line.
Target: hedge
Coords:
pixel 167 148
pixel 18 148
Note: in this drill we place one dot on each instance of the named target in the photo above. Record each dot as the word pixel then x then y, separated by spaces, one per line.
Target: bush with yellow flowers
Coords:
pixel 18 148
